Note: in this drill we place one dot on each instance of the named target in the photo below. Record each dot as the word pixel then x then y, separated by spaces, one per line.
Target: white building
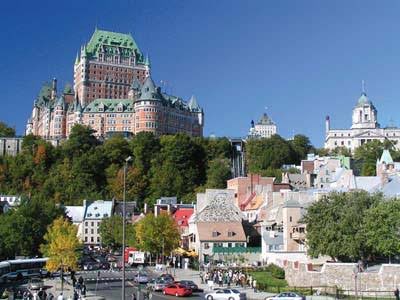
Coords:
pixel 95 212
pixel 264 128
pixel 365 128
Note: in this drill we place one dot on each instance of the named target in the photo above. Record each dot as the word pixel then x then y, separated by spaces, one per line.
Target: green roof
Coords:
pixel 113 42
pixel 363 100
pixel 386 157
pixel 44 94
pixel 110 105
pixel 235 249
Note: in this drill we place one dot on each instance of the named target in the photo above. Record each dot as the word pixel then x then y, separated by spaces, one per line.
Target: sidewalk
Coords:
pixel 194 275
pixel 68 291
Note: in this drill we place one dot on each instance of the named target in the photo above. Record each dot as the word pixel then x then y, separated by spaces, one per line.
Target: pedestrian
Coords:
pixel 397 294
pixel 201 277
pixel 255 285
pixel 80 280
pixel 83 290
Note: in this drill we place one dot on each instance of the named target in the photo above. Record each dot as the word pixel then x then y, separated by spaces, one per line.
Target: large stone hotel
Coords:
pixel 113 92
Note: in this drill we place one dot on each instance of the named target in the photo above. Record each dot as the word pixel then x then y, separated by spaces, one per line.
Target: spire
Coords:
pixel 147 60
pixel 61 101
pixel 77 58
pixel 363 88
pixel 149 90
pixel 193 103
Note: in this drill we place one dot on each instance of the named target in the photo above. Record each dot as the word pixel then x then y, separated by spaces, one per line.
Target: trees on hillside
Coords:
pixel 6 131
pixel 22 230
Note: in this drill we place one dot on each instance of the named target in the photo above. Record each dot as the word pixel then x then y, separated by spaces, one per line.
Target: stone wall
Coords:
pixel 10 146
pixel 342 275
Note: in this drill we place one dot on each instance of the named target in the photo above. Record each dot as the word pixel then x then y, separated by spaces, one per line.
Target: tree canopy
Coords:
pixel 111 232
pixel 354 225
pixel 157 235
pixel 61 245
pixel 6 131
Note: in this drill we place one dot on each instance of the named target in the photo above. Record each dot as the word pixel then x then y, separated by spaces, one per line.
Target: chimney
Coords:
pixel 384 178
pixel 327 124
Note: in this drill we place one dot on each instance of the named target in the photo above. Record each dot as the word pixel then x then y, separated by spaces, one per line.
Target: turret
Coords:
pixel 54 89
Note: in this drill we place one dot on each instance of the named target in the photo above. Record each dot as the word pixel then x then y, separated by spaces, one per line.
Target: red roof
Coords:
pixel 182 216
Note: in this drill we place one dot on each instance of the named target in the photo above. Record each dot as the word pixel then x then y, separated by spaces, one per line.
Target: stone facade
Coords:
pixel 264 128
pixel 365 128
pixel 113 93
pixel 10 146
pixel 342 275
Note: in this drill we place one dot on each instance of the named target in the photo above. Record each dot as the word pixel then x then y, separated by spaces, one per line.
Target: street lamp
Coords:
pixel 123 227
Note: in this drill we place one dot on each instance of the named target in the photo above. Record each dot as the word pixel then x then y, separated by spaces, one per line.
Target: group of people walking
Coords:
pixel 228 278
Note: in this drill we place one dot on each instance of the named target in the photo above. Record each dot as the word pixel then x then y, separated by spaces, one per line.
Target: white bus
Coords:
pixel 12 270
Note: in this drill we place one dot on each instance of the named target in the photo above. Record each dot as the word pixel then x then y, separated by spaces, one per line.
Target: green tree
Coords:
pixel 157 235
pixel 61 245
pixel 219 171
pixel 382 228
pixel 22 230
pixel 302 146
pixel 6 131
pixel 111 232
pixel 335 225
pixel 178 169
pixel 80 141
pixel 269 153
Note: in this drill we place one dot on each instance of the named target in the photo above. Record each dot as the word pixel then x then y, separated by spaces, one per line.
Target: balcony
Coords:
pixel 298 236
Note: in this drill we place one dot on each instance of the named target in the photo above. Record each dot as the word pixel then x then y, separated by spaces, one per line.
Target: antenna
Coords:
pixel 363 86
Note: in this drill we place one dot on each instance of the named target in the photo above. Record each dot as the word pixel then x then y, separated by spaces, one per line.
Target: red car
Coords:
pixel 177 290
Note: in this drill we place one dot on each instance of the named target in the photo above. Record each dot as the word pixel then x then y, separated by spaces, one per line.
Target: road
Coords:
pixel 112 290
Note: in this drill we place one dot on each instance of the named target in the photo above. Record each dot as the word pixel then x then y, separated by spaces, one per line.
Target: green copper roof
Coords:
pixel 265 120
pixel 68 89
pixel 112 42
pixel 44 94
pixel 363 100
pixel 386 157
pixel 110 105
pixel 149 91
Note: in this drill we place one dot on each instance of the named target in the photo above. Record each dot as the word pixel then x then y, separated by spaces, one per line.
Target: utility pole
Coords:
pixel 123 228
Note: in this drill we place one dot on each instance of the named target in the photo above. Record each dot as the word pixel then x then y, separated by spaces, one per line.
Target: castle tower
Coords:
pixel 107 66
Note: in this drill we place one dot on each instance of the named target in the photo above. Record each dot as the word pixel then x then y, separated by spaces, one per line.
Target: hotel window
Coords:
pixel 214 233
pixel 206 246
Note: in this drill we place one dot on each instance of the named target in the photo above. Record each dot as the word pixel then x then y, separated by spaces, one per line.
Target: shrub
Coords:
pixel 276 271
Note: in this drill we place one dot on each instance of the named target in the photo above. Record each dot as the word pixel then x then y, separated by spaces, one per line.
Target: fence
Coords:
pixel 331 292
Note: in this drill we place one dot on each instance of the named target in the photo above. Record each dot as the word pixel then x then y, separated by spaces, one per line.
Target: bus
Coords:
pixel 12 270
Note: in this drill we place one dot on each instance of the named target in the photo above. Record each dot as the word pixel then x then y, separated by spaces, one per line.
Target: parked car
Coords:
pixel 141 278
pixel 190 284
pixel 225 294
pixel 157 284
pixel 90 266
pixel 287 296
pixel 35 284
pixel 167 277
pixel 177 290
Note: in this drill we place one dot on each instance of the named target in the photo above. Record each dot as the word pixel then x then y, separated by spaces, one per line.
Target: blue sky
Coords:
pixel 300 59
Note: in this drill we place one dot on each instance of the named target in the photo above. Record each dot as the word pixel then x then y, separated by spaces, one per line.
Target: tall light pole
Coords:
pixel 123 228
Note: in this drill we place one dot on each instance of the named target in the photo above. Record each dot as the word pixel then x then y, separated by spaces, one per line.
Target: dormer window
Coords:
pixel 230 233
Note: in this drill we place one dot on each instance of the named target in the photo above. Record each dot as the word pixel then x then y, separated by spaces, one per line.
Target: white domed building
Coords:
pixel 364 128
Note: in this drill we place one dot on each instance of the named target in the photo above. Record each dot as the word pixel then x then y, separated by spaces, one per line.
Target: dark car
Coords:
pixel 167 277
pixel 190 284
